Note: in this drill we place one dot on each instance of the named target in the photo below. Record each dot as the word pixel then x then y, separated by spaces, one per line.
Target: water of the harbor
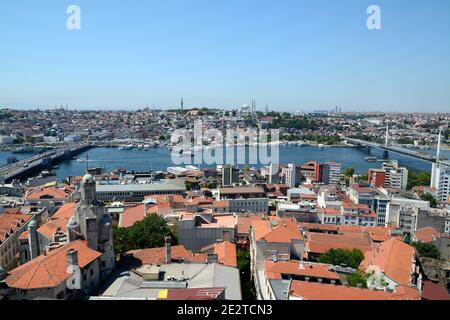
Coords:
pixel 158 159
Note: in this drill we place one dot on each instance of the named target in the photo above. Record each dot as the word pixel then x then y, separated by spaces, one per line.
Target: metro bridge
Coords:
pixel 32 164
pixel 418 154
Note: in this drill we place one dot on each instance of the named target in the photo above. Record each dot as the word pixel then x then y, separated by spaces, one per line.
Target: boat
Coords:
pixel 371 159
pixel 26 150
pixel 321 146
pixel 126 147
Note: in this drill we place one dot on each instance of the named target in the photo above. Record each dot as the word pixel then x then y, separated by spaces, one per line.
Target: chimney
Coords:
pixel 168 256
pixel 212 258
pixel 72 261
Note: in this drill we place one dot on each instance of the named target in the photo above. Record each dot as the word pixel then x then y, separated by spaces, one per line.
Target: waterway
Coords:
pixel 159 159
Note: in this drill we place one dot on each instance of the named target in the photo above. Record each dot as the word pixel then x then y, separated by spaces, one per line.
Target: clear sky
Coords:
pixel 289 54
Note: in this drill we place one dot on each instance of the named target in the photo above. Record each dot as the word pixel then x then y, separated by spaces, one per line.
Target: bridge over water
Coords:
pixel 34 163
pixel 418 154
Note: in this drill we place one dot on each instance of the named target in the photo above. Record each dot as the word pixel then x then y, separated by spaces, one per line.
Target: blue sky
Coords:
pixel 289 54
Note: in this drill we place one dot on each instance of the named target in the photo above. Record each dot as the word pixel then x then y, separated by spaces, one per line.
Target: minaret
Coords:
pixel 182 104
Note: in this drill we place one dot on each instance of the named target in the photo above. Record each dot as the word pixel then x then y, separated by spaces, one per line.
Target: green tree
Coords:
pixel 349 172
pixel 243 261
pixel 415 179
pixel 356 278
pixel 148 233
pixel 426 196
pixel 427 250
pixel 246 168
pixel 350 258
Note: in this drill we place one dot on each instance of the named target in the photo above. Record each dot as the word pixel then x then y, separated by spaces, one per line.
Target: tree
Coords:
pixel 349 172
pixel 148 233
pixel 246 168
pixel 243 261
pixel 427 250
pixel 415 179
pixel 365 177
pixel 359 277
pixel 350 258
pixel 430 198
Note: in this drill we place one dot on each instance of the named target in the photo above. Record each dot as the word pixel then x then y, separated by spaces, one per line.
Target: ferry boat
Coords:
pixel 371 159
pixel 26 150
pixel 126 147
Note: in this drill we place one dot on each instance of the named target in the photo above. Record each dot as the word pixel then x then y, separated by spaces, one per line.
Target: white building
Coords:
pixel 292 175
pixel 403 213
pixel 334 173
pixel 398 178
pixel 6 140
pixel 440 179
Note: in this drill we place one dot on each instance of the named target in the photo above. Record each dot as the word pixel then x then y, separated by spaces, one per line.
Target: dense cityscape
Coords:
pixel 310 230
pixel 201 159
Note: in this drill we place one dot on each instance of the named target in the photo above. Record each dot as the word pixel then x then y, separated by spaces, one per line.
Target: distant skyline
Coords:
pixel 291 55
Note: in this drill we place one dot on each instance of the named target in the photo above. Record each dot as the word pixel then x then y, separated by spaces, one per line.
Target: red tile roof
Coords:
pixel 49 270
pixel 10 223
pixel 321 242
pixel 276 230
pixel 132 215
pixel 316 291
pixel 50 192
pixel 432 291
pixel 49 228
pixel 244 222
pixel 155 256
pixel 67 210
pixel 427 234
pixel 394 258
pixel 226 253
pixel 294 267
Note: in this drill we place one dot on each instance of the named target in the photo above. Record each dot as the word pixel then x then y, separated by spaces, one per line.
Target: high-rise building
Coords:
pixel 292 174
pixel 398 178
pixel 395 177
pixel 230 175
pixel 377 178
pixel 274 173
pixel 440 179
pixel 334 174
pixel 324 173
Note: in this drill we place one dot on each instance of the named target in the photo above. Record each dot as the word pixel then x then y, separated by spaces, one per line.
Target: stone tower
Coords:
pixel 33 239
pixel 92 223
